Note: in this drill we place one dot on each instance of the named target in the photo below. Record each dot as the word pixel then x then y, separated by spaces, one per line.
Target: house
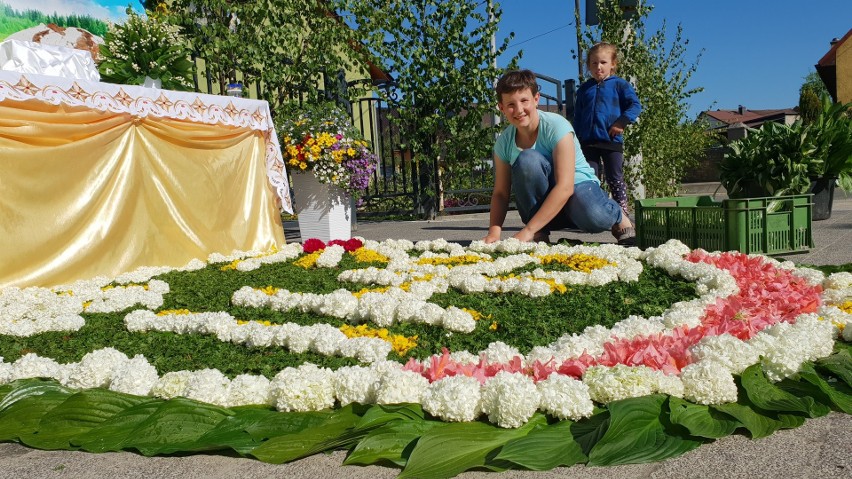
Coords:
pixel 731 124
pixel 835 69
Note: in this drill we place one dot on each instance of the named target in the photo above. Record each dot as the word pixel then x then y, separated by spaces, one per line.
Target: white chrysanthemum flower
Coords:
pixel 306 388
pixel 327 339
pixel 355 384
pixel 842 280
pixel 96 369
pixel 135 376
pixel 331 256
pixel 366 350
pixel 634 326
pixel 499 352
pixel 208 385
pixel 171 384
pixel 300 341
pixel 459 320
pixel 510 399
pixel 398 386
pixel 727 351
pixel 565 397
pixel 32 365
pixel 464 357
pixel 29 311
pixel 708 382
pixel 248 389
pixel 607 384
pixel 5 372
pixel 454 398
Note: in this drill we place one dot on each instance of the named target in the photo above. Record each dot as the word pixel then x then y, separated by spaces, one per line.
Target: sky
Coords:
pixel 756 53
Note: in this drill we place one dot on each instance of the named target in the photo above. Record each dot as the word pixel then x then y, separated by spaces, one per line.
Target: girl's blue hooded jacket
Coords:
pixel 598 107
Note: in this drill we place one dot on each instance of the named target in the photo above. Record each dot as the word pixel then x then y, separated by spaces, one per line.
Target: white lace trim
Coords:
pixel 142 102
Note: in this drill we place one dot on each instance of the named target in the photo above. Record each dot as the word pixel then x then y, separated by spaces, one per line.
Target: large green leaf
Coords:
pixel 701 420
pixel 24 388
pixel 758 424
pixel 175 426
pixel 76 415
pixel 380 414
pixel 335 432
pixel 116 433
pixel 544 448
pixel 589 431
pixel 22 417
pixel 766 395
pixel 842 400
pixel 391 443
pixel 251 426
pixel 451 449
pixel 639 432
pixel 839 364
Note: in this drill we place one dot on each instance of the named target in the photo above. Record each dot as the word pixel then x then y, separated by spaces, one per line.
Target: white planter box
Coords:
pixel 325 211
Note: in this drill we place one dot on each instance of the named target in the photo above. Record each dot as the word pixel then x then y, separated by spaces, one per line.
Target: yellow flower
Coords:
pixel 364 255
pixel 174 312
pixel 846 307
pixel 578 262
pixel 493 326
pixel 453 260
pixel 400 344
pixel 308 261
pixel 230 266
pixel 268 290
pixel 476 314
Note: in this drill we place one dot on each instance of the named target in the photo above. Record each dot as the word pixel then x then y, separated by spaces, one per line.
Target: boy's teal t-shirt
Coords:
pixel 552 127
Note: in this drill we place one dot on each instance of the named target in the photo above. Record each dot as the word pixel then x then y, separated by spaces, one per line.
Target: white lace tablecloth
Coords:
pixel 142 102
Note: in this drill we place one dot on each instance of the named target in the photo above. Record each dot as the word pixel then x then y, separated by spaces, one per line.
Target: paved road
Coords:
pixel 822 448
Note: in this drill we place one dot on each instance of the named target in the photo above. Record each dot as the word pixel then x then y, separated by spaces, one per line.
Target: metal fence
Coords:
pixel 399 185
pixel 461 184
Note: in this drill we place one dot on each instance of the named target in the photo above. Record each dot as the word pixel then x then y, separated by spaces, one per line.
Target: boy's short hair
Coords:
pixel 516 80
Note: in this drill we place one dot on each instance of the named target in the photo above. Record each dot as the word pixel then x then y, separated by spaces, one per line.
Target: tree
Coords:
pixel 440 54
pixel 286 45
pixel 668 142
pixel 810 98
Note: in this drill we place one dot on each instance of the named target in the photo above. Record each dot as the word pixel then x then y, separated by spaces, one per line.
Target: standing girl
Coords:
pixel 605 105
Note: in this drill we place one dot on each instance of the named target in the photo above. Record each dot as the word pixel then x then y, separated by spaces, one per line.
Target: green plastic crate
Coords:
pixel 770 226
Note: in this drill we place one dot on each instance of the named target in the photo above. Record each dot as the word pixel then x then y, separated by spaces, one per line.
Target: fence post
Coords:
pixel 570 92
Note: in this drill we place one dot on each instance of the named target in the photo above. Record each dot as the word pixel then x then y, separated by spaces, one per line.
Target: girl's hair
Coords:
pixel 515 80
pixel 604 47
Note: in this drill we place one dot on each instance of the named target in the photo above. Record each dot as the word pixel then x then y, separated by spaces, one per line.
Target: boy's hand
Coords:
pixel 524 235
pixel 491 238
pixel 493 235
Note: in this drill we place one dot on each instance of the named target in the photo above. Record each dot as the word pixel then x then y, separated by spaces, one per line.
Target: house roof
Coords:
pixel 830 58
pixel 826 67
pixel 749 117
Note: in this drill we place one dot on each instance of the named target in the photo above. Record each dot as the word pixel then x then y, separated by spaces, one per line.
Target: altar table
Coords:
pixel 97 179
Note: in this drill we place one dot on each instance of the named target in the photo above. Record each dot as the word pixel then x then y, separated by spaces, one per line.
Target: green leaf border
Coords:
pixel 45 415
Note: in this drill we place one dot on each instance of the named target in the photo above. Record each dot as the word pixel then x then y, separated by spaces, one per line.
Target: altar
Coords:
pixel 97 179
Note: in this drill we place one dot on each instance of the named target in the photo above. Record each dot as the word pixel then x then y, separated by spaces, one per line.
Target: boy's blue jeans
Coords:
pixel 589 208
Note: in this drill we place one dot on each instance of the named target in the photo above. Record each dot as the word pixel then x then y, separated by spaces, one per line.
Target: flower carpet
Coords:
pixel 429 356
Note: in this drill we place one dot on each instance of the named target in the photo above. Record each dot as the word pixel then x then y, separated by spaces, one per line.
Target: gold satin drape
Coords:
pixel 86 193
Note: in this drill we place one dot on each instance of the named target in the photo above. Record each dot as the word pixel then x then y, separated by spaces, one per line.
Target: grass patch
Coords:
pixel 517 320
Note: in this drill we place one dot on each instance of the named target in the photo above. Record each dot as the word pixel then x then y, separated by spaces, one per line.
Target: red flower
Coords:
pixel 313 245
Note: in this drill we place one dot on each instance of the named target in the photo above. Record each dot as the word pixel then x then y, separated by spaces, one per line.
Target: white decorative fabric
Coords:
pixel 142 102
pixel 28 57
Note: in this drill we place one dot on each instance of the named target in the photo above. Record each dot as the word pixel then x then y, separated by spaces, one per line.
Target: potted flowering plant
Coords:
pixel 321 139
pixel 331 165
pixel 144 50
